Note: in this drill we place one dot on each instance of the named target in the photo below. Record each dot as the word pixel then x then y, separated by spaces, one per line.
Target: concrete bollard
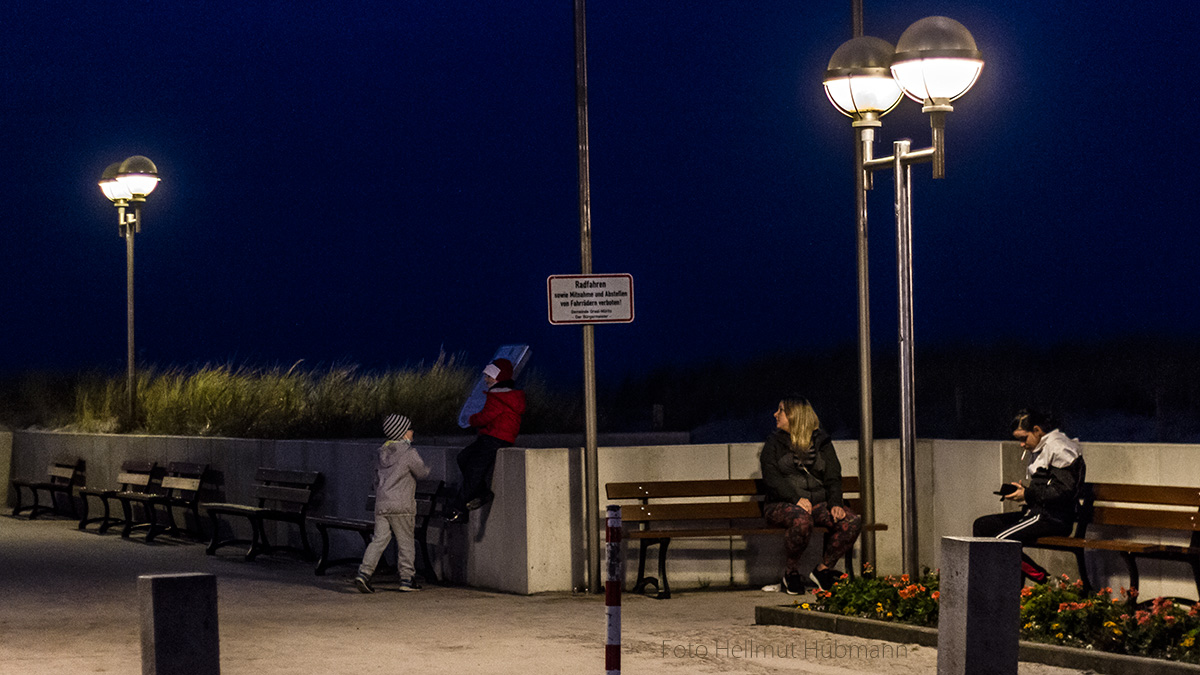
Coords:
pixel 980 613
pixel 179 624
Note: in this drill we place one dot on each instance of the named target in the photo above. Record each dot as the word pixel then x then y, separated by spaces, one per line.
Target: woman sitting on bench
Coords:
pixel 803 481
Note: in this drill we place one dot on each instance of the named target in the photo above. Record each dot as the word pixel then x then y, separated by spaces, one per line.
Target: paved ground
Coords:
pixel 68 605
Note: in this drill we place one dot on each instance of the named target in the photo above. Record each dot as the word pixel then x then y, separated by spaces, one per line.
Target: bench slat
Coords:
pixel 700 511
pixel 283 493
pixel 267 475
pixel 1146 518
pixel 180 483
pixel 668 489
pixel 1146 494
pixel 142 479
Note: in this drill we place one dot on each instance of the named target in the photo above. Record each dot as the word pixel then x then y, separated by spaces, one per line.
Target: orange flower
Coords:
pixel 936 595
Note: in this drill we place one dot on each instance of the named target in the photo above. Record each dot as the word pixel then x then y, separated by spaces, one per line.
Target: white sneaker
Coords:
pixel 772 588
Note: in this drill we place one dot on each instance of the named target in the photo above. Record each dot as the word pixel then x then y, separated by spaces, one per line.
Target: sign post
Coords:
pixel 588 299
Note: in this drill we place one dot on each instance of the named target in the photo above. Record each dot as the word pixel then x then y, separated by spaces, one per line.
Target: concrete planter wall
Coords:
pixel 533 537
pixel 1033 652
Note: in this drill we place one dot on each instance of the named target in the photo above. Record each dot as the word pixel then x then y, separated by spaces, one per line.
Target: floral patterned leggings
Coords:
pixel 839 536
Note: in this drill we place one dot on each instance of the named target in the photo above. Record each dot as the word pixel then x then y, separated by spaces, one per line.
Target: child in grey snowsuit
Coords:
pixel 398 468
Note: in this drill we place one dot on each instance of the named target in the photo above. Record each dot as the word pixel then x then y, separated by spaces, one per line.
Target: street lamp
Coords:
pixel 934 62
pixel 126 185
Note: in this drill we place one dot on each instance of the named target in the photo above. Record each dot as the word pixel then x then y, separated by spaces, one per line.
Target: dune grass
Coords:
pixel 340 401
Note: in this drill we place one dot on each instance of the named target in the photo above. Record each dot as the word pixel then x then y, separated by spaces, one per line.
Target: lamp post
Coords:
pixel 934 62
pixel 126 185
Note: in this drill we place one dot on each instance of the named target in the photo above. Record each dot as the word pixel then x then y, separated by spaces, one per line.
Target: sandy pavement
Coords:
pixel 68 604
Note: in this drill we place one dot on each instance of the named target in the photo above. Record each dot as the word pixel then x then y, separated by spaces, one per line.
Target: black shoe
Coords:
pixel 456 516
pixel 409 585
pixel 826 578
pixel 480 501
pixel 793 583
pixel 363 585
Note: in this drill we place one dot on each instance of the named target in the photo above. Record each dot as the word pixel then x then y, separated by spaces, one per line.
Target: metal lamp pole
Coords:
pixel 934 62
pixel 126 184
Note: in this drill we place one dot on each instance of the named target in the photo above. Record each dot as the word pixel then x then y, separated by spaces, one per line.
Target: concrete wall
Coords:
pixel 6 442
pixel 532 538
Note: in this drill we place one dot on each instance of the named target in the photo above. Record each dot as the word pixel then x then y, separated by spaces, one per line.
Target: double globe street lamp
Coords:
pixel 935 62
pixel 126 185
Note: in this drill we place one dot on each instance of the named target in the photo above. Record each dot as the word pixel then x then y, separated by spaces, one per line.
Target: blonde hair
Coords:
pixel 802 421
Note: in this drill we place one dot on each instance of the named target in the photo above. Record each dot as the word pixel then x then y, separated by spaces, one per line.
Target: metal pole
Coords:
pixel 614 580
pixel 591 471
pixel 856 18
pixel 908 474
pixel 864 138
pixel 128 229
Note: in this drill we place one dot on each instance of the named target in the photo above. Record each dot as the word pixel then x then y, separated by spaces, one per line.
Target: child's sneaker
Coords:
pixel 363 584
pixel 409 585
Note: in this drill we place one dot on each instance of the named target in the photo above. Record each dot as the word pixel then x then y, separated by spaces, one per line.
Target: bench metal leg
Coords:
pixel 156 529
pixel 664 592
pixel 323 561
pixel 1081 562
pixel 1196 574
pixel 106 521
pixel 639 586
pixel 258 543
pixel 423 547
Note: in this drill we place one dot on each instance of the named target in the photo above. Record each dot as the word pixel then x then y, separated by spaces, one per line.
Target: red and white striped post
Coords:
pixel 612 591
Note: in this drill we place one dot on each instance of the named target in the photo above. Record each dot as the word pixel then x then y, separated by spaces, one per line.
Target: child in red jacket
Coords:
pixel 498 424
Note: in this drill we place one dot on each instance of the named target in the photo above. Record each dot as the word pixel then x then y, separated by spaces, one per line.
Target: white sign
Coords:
pixel 590 298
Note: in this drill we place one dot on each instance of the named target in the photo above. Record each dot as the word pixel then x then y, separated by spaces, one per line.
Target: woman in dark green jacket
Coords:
pixel 803 480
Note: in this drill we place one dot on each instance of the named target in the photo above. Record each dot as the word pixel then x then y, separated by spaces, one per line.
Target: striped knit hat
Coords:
pixel 395 426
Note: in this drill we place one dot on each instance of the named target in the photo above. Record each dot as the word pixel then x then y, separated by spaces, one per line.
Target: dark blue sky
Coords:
pixel 375 181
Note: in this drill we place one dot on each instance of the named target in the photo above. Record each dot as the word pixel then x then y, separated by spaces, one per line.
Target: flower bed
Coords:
pixel 1055 613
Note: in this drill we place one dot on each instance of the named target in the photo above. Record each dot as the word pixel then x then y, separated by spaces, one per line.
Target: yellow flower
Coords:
pixel 1110 624
pixel 1116 631
pixel 1188 641
pixel 1028 625
pixel 1059 636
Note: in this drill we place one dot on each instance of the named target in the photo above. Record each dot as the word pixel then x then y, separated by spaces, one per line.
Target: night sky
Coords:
pixel 373 182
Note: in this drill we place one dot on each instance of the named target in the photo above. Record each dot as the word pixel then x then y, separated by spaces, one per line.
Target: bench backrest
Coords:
pixel 138 475
pixel 68 473
pixel 644 491
pixel 1145 506
pixel 431 498
pixel 285 489
pixel 183 481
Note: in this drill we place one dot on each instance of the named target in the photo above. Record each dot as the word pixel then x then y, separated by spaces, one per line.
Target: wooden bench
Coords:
pixel 283 495
pixel 63 477
pixel 739 515
pixel 135 476
pixel 431 497
pixel 1153 509
pixel 154 507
